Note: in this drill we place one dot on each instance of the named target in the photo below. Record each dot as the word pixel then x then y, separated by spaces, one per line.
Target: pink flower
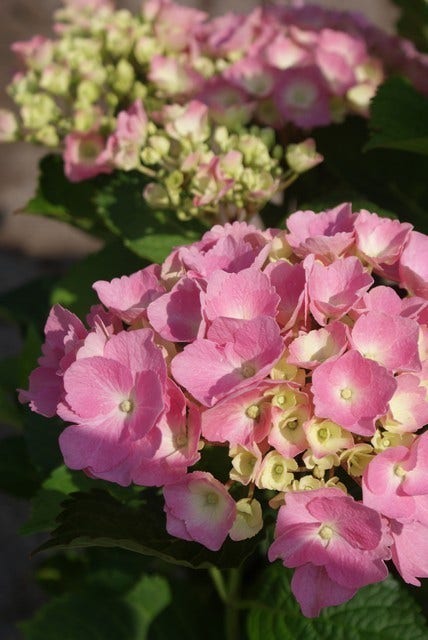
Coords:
pixel 352 391
pixel 327 234
pixel 395 483
pixel 302 97
pixel 64 334
pixel 338 55
pixel 408 407
pixel 177 315
pixel 235 354
pixel 390 340
pixel 121 391
pixel 244 295
pixel 241 418
pixel 334 289
pixel 289 282
pixel 381 240
pixel 129 296
pixel 199 508
pixel 310 349
pixel 85 156
pixel 410 550
pixel 414 265
pixel 124 145
pixel 324 528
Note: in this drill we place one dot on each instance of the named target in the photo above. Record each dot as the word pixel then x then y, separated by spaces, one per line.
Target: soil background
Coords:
pixel 31 246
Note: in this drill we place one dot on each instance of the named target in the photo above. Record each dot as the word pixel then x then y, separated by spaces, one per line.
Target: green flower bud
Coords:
pixel 124 76
pixel 87 92
pixel 38 111
pixel 55 79
pixel 156 196
pixel 47 136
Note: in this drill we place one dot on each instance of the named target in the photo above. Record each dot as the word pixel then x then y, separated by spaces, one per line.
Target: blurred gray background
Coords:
pixel 30 246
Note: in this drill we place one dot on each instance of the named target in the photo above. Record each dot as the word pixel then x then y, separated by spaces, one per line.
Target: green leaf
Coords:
pixel 413 22
pixel 27 304
pixel 98 519
pixel 383 611
pixel 151 234
pixel 47 503
pixel 58 198
pixel 75 292
pixel 393 180
pixel 399 118
pixel 99 614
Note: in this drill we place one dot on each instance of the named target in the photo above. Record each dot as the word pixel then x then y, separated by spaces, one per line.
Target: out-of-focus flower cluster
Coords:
pixel 300 357
pixel 109 88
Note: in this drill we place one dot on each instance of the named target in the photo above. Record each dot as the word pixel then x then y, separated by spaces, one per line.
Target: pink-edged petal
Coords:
pixel 136 351
pixel 314 590
pixel 176 315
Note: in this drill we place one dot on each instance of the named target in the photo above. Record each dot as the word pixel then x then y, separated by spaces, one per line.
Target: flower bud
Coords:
pixel 248 520
pixel 303 156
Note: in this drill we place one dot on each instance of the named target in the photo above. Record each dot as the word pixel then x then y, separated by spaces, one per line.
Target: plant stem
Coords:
pixel 228 592
pixel 232 612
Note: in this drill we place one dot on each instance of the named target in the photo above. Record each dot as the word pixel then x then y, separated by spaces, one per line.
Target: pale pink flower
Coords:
pixel 283 53
pixel 408 407
pixel 302 97
pixel 388 339
pixel 241 418
pixel 85 156
pixel 310 349
pixel 199 508
pixel 235 354
pixel 352 391
pixel 410 550
pixel 177 315
pixel 395 483
pixel 327 234
pixel 338 54
pixel 334 289
pixel 129 296
pixel 326 528
pixel 124 145
pixel 252 75
pixel 380 241
pixel 64 334
pixel 244 295
pixel 189 121
pixel 289 282
pixel 414 265
pixel 173 77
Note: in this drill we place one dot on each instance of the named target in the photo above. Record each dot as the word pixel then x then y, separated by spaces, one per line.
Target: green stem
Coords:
pixel 228 592
pixel 232 612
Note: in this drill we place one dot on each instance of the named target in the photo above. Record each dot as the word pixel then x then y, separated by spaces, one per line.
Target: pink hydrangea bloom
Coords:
pixel 327 529
pixel 85 156
pixel 352 391
pixel 302 97
pixel 199 508
pixel 414 264
pixel 285 355
pixel 334 289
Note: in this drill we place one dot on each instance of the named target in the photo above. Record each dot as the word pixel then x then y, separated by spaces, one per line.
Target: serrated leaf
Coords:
pixel 47 503
pixel 97 519
pixel 150 233
pixel 399 118
pixel 382 611
pixel 99 614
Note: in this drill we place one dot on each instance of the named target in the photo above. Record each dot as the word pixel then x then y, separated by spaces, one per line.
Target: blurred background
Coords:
pixel 31 246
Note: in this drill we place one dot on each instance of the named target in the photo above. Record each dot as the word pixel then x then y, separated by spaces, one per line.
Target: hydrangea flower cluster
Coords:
pixel 301 356
pixel 101 89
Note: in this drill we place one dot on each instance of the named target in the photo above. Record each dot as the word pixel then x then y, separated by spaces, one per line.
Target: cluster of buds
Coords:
pixel 299 356
pixel 289 68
